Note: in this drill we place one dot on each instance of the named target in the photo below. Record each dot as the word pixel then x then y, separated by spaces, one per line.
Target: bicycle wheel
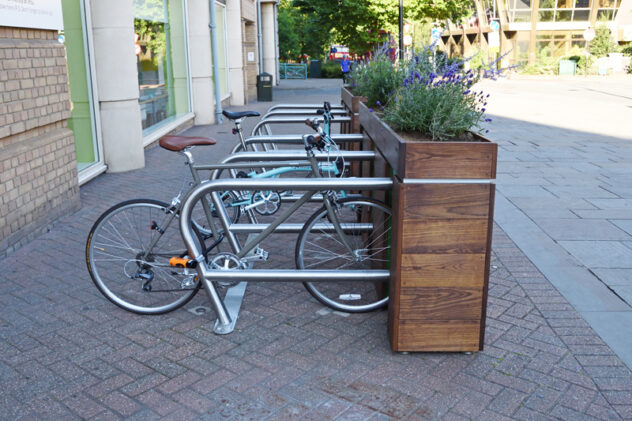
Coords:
pixel 130 274
pixel 320 249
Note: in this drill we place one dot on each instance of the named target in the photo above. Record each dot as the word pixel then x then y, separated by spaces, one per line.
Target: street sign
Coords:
pixel 493 39
pixel 435 34
pixel 494 25
pixel 589 34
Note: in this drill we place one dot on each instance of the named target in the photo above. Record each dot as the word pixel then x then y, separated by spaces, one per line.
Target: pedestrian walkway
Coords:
pixel 564 190
pixel 68 353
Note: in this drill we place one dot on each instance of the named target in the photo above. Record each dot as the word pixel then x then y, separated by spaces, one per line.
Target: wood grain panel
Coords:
pixel 396 270
pixel 440 303
pixel 454 335
pixel 447 160
pixel 448 270
pixel 451 236
pixel 432 201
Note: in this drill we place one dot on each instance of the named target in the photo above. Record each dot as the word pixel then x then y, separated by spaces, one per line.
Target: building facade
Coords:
pixel 127 72
pixel 528 30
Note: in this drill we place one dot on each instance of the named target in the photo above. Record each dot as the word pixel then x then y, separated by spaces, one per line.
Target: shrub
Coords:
pixel 603 43
pixel 436 99
pixel 377 78
pixel 439 106
pixel 331 69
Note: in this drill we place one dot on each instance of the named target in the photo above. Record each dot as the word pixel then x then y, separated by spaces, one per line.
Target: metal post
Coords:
pixel 218 96
pixel 401 29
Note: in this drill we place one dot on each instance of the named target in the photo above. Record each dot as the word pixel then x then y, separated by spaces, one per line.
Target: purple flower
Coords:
pixel 378 103
pixel 488 120
pixel 466 92
pixel 486 131
pixel 370 110
pixel 483 110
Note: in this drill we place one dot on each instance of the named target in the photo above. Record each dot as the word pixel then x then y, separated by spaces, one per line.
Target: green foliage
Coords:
pixel 300 33
pixel 377 78
pixel 289 41
pixel 331 69
pixel 440 9
pixel 603 43
pixel 435 98
pixel 626 49
pixel 363 24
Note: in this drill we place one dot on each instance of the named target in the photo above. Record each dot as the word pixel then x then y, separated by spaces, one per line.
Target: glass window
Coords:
pixel 161 61
pixel 582 4
pixel 581 15
pixel 564 15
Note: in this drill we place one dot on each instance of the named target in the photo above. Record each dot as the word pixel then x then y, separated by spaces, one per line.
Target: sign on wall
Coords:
pixel 38 14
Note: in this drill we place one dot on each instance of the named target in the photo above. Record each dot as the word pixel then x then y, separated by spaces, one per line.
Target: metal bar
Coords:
pixel 295 106
pixel 240 184
pixel 302 112
pixel 448 181
pixel 281 155
pixel 293 228
pixel 291 120
pixel 296 275
pixel 315 198
pixel 294 140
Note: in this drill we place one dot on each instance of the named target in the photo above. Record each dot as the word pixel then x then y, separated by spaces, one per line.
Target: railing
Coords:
pixel 293 71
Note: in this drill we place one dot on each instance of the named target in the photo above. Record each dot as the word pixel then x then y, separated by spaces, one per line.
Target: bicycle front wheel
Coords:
pixel 367 228
pixel 128 270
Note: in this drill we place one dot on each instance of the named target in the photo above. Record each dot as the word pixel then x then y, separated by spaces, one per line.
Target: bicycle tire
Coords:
pixel 113 256
pixel 322 250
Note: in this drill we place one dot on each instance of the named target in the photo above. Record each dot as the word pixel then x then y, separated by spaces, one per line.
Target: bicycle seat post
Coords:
pixel 238 131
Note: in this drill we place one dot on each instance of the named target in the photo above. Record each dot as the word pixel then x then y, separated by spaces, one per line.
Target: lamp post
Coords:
pixel 401 29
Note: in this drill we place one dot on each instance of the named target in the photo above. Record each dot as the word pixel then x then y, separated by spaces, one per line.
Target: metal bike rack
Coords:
pixel 290 120
pixel 228 310
pixel 307 112
pixel 294 139
pixel 302 106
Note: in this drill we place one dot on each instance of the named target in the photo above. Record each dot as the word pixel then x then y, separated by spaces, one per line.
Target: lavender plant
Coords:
pixel 437 99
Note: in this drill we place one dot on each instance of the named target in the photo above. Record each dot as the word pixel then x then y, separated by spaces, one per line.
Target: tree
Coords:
pixel 300 33
pixel 289 43
pixel 363 24
pixel 602 44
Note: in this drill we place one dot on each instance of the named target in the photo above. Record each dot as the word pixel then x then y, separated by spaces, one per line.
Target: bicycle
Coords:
pixel 153 257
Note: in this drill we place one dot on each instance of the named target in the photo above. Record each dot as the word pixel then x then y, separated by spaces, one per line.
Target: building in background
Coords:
pixel 131 71
pixel 530 29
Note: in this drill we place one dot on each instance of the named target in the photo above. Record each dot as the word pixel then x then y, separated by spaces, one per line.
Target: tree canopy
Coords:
pixel 358 24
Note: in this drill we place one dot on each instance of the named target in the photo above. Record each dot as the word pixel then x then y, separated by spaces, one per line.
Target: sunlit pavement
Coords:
pixel 68 353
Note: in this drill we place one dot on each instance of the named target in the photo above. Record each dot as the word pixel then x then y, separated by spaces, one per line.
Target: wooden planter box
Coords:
pixel 441 243
pixel 352 104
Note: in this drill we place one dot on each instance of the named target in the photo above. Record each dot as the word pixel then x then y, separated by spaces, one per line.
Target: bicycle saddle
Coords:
pixel 240 114
pixel 177 143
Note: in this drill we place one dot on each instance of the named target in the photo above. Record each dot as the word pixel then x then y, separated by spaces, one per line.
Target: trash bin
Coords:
pixel 315 67
pixel 264 87
pixel 567 67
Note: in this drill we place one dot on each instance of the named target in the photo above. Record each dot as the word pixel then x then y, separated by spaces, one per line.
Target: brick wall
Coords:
pixel 38 169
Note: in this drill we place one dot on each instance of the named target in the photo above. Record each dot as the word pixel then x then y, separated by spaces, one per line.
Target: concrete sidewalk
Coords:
pixel 564 191
pixel 68 353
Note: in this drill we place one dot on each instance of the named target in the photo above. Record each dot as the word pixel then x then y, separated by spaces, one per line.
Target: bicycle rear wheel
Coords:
pixel 129 273
pixel 319 248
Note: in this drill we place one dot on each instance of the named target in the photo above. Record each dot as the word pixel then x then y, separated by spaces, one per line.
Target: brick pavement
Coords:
pixel 68 353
